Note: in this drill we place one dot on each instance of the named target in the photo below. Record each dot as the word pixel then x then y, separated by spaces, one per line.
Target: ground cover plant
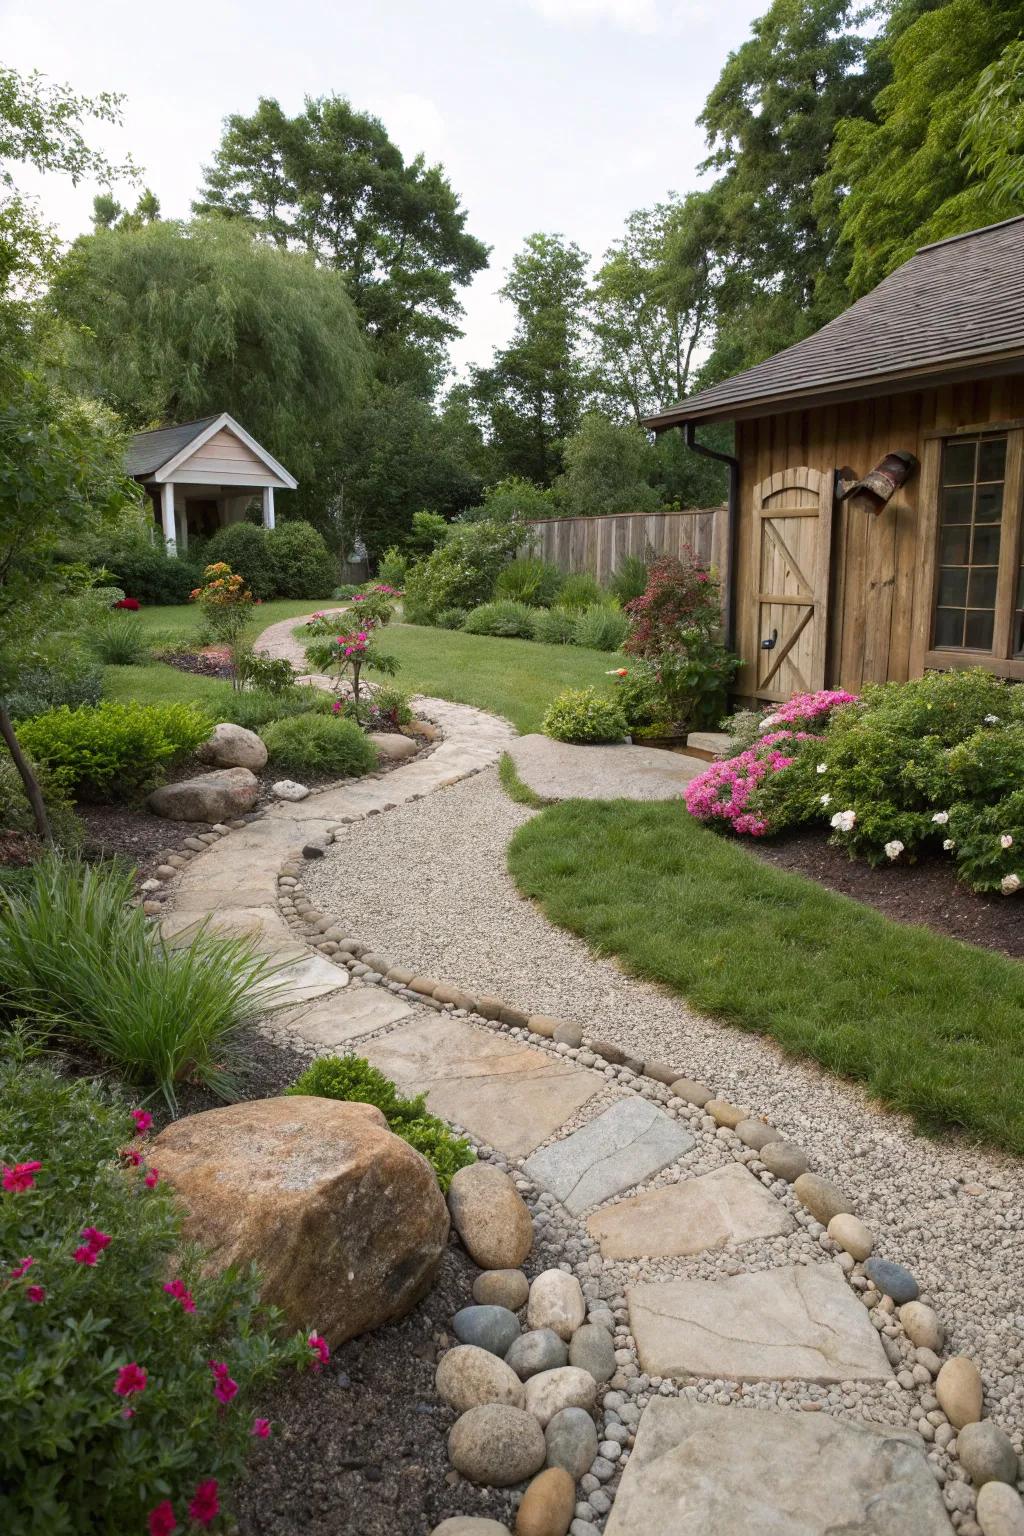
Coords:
pixel 77 957
pixel 130 1379
pixel 112 750
pixel 318 745
pixel 931 1026
pixel 353 1078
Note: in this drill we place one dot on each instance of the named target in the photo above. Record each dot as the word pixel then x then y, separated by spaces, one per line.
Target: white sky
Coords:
pixel 554 115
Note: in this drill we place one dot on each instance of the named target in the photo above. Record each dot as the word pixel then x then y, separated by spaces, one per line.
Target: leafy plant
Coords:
pixel 111 750
pixel 600 628
pixel 462 571
pixel 243 547
pixel 429 529
pixel 582 715
pixel 640 694
pixel 386 708
pixel 352 1078
pixel 450 618
pixel 269 674
pixel 630 580
pixel 72 679
pixel 226 604
pixel 509 619
pixel 696 680
pixel 581 590
pixel 554 626
pixel 144 570
pixel 347 654
pixel 16 813
pixel 529 580
pixel 109 1327
pixel 118 641
pixel 392 566
pixel 319 745
pixel 256 709
pixel 299 564
pixel 162 1016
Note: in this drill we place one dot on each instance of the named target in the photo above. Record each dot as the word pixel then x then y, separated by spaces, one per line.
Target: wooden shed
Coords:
pixel 832 582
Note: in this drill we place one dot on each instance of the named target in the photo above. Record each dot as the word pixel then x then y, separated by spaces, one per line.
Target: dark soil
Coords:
pixel 211 661
pixel 926 893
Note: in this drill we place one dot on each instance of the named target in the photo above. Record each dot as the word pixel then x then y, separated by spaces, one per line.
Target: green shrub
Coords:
pixel 16 813
pixel 118 640
pixel 529 580
pixel 450 618
pixel 352 1078
pixel 392 567
pixel 630 580
pixel 600 628
pixel 71 1462
pixel 72 680
pixel 269 674
pixel 298 561
pixel 508 619
pixel 512 499
pixel 258 708
pixel 554 626
pixel 110 749
pixel 581 590
pixel 641 696
pixel 76 956
pixel 428 530
pixel 145 571
pixel 243 546
pixel 462 571
pixel 582 715
pixel 319 745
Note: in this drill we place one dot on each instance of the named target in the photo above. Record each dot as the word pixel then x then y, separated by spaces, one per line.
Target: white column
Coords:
pixel 167 513
pixel 268 506
pixel 183 525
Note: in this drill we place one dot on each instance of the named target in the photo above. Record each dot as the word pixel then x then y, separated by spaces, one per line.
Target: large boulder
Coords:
pixel 345 1220
pixel 232 746
pixel 219 795
pixel 393 747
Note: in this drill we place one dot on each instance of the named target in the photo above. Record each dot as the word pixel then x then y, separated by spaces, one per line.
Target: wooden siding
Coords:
pixel 880 609
pixel 600 544
pixel 225 460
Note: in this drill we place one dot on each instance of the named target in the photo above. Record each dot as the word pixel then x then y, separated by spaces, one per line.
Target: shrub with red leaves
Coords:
pixel 681 596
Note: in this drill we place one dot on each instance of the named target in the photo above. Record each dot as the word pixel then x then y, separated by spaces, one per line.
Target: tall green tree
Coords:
pixel 330 182
pixel 175 321
pixel 537 388
pixel 608 468
pixel 940 158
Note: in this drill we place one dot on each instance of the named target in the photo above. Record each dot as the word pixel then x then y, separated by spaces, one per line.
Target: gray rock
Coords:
pixel 1000 1511
pixel 232 746
pixel 539 1350
pixel 490 1328
pixel 497 1445
pixel 209 797
pixel 287 789
pixel 469 1525
pixel 756 1134
pixel 621 1146
pixel 822 1198
pixel 567 1033
pixel 501 1288
pixel 592 1349
pixel 784 1159
pixel 571 1441
pixel 892 1280
pixel 986 1453
pixel 549 1392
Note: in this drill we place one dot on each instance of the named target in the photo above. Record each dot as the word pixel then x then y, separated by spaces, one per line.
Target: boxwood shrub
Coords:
pixel 111 750
pixel 582 715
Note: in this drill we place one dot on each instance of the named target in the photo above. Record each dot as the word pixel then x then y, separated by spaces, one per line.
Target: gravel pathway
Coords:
pixel 426 885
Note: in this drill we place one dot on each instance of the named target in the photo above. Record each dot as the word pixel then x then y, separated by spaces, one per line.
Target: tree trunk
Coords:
pixel 28 778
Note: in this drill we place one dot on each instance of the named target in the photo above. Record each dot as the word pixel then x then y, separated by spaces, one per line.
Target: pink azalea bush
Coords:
pixel 127 1397
pixel 722 792
pixel 810 710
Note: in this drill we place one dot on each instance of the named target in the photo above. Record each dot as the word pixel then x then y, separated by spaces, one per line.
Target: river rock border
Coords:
pixel 949 1392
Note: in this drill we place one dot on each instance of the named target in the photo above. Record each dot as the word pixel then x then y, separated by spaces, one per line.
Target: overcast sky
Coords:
pixel 554 115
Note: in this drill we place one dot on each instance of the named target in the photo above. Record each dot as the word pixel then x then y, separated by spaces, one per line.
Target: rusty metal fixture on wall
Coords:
pixel 875 490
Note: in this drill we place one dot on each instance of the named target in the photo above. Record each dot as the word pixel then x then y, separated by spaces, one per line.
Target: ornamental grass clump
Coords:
pixel 131 1377
pixel 84 963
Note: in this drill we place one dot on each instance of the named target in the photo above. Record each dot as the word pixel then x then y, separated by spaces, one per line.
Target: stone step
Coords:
pixel 620 1147
pixel 714 1210
pixel 345 1016
pixel 712 746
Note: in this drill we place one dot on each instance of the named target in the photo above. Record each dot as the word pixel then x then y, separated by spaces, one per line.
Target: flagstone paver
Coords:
pixel 558 770
pixel 620 1147
pixel 510 1095
pixel 345 1016
pixel 302 981
pixel 716 1210
pixel 264 925
pixel 798 1322
pixel 701 1470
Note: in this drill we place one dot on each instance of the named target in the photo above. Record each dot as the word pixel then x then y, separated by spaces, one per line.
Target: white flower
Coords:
pixel 949 845
pixel 822 768
pixel 1006 841
pixel 1009 884
pixel 991 719
pixel 940 818
pixel 844 821
pixel 768 722
pixel 894 849
pixel 826 799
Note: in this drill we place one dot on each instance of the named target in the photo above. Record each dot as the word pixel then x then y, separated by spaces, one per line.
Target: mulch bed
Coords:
pixel 926 893
pixel 211 661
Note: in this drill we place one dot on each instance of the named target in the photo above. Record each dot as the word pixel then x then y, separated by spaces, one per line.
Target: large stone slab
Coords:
pixel 711 1471
pixel 510 1095
pixel 801 1322
pixel 618 1148
pixel 715 1210
pixel 557 770
pixel 345 1016
pixel 302 981
pixel 264 925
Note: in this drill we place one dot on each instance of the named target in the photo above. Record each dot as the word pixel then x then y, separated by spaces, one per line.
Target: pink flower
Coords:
pixel 320 1350
pixel 85 1255
pixel 132 1154
pixel 22 1268
pixel 205 1506
pixel 336 707
pixel 130 1378
pixel 261 1429
pixel 152 1178
pixel 180 1292
pixel 162 1519
pixel 143 1120
pixel 224 1389
pixel 20 1177
pixel 35 1293
pixel 96 1239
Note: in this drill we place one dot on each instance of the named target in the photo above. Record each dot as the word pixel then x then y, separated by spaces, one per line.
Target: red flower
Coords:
pixel 205 1506
pixel 20 1177
pixel 95 1238
pixel 85 1255
pixel 320 1350
pixel 143 1120
pixel 20 1269
pixel 162 1520
pixel 130 1378
pixel 152 1178
pixel 180 1292
pixel 34 1293
pixel 261 1429
pixel 131 603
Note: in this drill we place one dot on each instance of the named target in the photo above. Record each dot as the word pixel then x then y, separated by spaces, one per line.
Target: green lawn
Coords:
pixel 160 684
pixel 180 621
pixel 931 1026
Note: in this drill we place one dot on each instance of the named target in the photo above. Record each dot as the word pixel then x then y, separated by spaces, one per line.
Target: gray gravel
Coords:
pixel 426 885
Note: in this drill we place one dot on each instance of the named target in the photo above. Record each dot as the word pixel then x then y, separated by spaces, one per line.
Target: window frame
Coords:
pixel 1000 659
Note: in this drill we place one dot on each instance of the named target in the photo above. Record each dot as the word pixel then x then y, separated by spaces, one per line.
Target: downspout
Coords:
pixel 732 526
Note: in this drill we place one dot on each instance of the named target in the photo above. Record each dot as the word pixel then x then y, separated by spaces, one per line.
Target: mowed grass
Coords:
pixel 929 1025
pixel 159 683
pixel 181 621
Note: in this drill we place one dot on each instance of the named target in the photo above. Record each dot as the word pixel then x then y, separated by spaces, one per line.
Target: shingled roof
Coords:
pixel 148 451
pixel 954 309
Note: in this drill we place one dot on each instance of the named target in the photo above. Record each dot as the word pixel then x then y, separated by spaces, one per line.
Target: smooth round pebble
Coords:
pixel 571 1440
pixel 756 1134
pixel 593 1349
pixel 538 1350
pixel 821 1197
pixel 851 1234
pixel 556 1302
pixel 491 1328
pixel 892 1280
pixel 922 1325
pixel 490 1216
pixel 467 1377
pixel 548 1504
pixel 784 1159
pixel 1000 1511
pixel 501 1288
pixel 496 1445
pixel 690 1091
pixel 469 1525
pixel 986 1453
pixel 550 1391
pixel 958 1389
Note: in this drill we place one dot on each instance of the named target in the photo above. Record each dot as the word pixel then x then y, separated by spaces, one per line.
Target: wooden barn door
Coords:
pixel 792 548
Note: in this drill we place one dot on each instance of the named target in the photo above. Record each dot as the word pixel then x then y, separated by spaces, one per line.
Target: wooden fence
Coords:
pixel 601 544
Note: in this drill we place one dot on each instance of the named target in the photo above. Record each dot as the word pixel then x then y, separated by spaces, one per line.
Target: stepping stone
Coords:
pixel 263 924
pixel 345 1016
pixel 620 1147
pixel 507 1094
pixel 728 1472
pixel 302 981
pixel 802 1322
pixel 557 770
pixel 715 1210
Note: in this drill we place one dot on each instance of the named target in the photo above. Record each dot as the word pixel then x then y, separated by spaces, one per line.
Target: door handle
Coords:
pixel 769 645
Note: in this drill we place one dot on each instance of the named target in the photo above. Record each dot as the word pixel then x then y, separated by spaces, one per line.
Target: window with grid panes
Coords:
pixel 971 507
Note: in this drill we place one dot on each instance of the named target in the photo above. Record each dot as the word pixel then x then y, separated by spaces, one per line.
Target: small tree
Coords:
pixel 226 603
pixel 346 655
